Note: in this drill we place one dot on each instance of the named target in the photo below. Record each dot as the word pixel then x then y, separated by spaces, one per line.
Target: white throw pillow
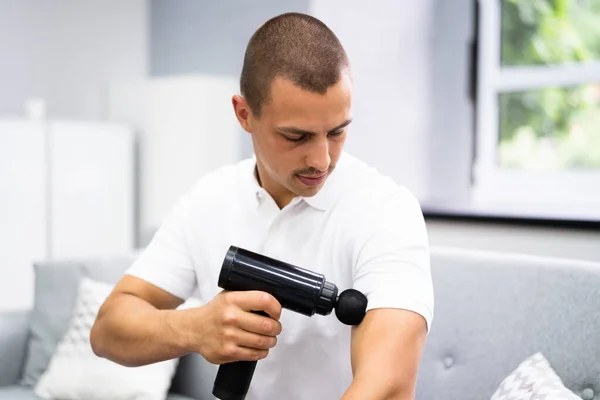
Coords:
pixel 76 373
pixel 534 378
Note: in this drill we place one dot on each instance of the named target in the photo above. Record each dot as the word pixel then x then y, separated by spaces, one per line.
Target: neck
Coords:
pixel 280 195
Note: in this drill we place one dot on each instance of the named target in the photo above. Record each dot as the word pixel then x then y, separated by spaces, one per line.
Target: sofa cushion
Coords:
pixel 75 372
pixel 17 392
pixel 533 379
pixel 56 286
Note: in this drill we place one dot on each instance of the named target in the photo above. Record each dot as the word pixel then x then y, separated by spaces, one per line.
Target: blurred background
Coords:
pixel 489 111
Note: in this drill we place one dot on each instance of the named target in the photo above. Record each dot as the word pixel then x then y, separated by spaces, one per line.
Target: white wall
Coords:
pixel 67 51
pixel 389 45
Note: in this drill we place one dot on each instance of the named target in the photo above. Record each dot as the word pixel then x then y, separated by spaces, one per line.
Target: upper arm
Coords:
pixel 392 266
pixel 165 268
pixel 392 269
pixel 154 295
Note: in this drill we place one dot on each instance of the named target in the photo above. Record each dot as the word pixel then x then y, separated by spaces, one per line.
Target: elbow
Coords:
pixel 401 394
pixel 103 347
pixel 399 387
pixel 96 339
pixel 400 390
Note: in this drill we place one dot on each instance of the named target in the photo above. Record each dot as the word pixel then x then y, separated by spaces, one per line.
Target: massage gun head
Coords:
pixel 351 307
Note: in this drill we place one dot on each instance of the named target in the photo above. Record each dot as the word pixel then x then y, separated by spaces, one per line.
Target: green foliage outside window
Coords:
pixel 554 128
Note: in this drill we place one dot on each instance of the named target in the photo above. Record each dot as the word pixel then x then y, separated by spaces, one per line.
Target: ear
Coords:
pixel 243 113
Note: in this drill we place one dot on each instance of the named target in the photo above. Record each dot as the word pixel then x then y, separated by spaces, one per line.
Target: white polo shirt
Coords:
pixel 361 230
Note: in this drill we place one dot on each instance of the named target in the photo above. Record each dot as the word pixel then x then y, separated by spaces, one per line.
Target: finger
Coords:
pixel 254 300
pixel 249 354
pixel 258 324
pixel 254 341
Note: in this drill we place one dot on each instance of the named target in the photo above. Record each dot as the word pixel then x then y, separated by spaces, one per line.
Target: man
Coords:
pixel 300 199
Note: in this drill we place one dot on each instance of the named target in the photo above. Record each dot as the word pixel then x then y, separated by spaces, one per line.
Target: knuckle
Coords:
pixel 263 342
pixel 229 317
pixel 230 350
pixel 228 334
pixel 266 325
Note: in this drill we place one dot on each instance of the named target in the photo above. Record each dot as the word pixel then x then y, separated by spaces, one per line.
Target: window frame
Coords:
pixel 491 184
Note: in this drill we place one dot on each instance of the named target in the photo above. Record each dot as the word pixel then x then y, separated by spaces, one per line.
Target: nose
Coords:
pixel 318 156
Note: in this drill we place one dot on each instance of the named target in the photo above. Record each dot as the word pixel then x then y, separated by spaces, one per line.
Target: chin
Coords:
pixel 308 191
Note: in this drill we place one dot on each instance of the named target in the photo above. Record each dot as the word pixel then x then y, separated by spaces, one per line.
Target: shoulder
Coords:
pixel 373 193
pixel 376 209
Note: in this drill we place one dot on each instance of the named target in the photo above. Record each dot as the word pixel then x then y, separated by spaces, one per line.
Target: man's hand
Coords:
pixel 138 325
pixel 225 329
pixel 385 353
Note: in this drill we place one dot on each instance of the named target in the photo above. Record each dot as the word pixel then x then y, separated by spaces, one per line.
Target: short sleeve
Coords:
pixel 393 265
pixel 167 262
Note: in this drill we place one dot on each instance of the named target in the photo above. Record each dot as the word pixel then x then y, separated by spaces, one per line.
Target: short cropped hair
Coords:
pixel 294 46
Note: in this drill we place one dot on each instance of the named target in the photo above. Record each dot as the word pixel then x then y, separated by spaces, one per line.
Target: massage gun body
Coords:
pixel 297 289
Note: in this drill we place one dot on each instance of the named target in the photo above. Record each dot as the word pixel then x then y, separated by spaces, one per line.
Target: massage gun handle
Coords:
pixel 233 379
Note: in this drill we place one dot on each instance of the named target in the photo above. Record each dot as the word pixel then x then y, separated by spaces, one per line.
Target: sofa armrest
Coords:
pixel 14 333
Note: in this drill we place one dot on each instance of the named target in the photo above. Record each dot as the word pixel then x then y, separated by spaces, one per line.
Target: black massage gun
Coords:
pixel 295 288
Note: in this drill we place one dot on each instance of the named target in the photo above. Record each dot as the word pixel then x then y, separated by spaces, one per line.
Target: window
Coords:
pixel 538 108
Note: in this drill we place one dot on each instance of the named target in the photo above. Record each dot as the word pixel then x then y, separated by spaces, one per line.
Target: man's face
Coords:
pixel 299 137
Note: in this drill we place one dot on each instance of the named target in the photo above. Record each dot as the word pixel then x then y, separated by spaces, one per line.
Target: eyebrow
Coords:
pixel 297 131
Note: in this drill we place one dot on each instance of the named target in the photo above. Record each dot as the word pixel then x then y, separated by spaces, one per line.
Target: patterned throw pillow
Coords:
pixel 534 379
pixel 75 372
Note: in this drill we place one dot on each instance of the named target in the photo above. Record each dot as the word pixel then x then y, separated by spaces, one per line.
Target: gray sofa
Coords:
pixel 492 311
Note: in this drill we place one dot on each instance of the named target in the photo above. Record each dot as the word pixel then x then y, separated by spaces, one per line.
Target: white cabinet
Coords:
pixel 23 209
pixel 66 191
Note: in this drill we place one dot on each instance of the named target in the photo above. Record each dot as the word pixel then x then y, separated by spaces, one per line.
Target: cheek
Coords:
pixel 336 146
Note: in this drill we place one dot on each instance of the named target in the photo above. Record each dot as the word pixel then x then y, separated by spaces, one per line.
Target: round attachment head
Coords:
pixel 351 307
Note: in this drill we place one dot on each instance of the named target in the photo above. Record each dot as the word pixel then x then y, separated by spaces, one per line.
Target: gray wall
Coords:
pixel 190 36
pixel 67 51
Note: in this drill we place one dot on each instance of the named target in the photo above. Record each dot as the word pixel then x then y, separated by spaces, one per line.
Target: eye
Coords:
pixel 294 139
pixel 336 133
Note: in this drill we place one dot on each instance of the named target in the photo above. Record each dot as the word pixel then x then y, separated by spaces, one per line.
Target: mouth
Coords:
pixel 312 181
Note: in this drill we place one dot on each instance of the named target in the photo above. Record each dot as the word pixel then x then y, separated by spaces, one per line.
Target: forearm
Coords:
pixel 132 332
pixel 386 351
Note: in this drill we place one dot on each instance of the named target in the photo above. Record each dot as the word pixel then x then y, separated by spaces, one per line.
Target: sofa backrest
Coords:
pixel 492 311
